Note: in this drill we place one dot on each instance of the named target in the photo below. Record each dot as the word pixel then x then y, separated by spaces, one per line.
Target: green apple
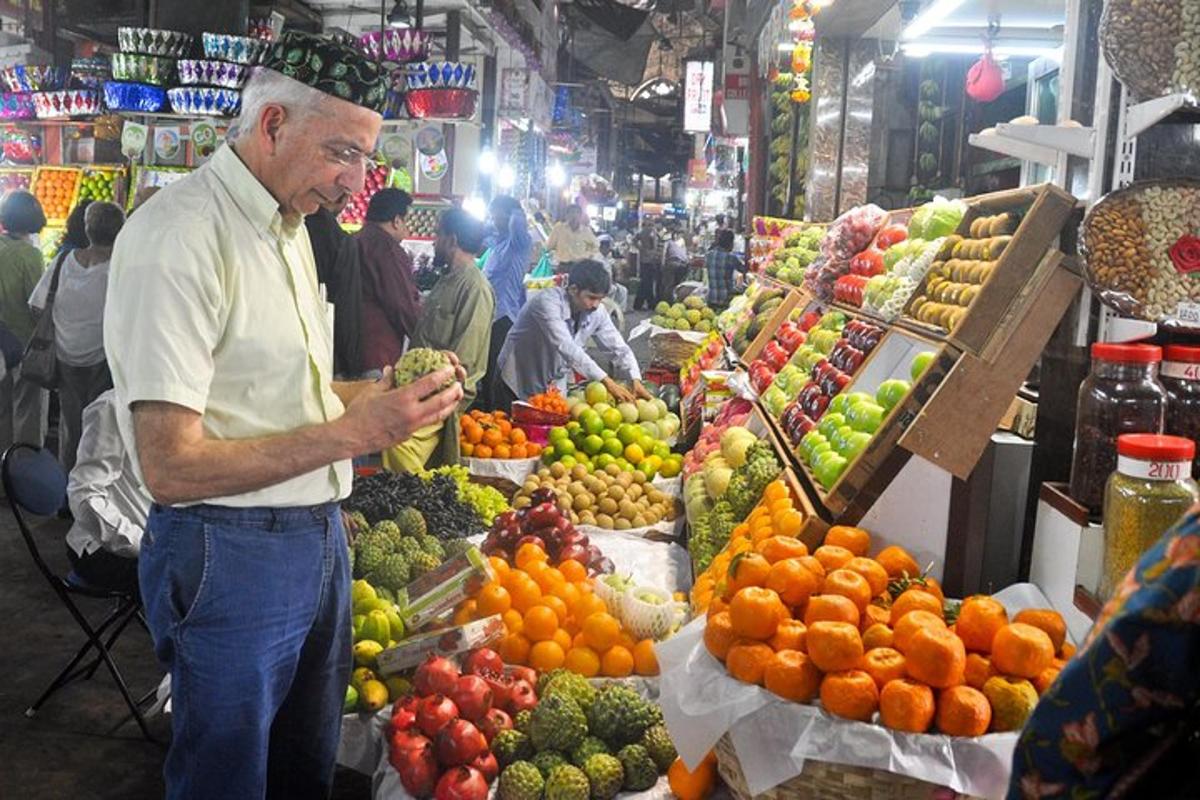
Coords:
pixel 891 392
pixel 841 438
pixel 828 471
pixel 820 447
pixel 830 423
pixel 596 393
pixel 854 398
pixel 856 443
pixel 809 440
pixel 840 404
pixel 920 363
pixel 867 416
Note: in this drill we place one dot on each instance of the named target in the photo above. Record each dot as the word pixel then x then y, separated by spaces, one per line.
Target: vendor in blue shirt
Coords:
pixel 547 343
pixel 508 261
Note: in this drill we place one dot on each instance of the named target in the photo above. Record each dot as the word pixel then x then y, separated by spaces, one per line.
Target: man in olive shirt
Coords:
pixel 221 345
pixel 22 403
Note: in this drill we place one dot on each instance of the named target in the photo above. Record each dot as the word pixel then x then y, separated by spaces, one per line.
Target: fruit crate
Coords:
pixel 813 532
pixel 793 299
pixel 104 182
pixel 1001 284
pixel 144 177
pixel 58 207
pixel 15 179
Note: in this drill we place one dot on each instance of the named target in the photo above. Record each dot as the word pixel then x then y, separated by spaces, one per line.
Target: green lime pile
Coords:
pixel 99 185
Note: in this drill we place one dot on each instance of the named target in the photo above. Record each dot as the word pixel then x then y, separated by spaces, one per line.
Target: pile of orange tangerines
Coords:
pixel 868 635
pixel 551 400
pixel 492 435
pixel 553 618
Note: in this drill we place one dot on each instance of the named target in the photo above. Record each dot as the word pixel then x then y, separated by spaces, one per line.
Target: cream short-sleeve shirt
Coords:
pixel 213 304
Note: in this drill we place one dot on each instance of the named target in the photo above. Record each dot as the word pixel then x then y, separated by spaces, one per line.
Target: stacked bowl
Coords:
pixel 144 67
pixel 441 90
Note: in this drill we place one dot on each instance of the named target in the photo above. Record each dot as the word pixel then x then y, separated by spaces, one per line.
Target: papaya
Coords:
pixel 376 628
pixel 373 697
pixel 350 705
pixel 366 651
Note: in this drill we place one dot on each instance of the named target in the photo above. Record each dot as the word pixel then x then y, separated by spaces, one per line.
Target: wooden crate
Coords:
pixel 795 298
pixel 1047 209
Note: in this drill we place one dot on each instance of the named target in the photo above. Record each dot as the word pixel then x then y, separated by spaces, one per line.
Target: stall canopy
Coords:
pixel 606 55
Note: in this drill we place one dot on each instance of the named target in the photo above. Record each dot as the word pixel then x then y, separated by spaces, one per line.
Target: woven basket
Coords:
pixel 669 348
pixel 821 780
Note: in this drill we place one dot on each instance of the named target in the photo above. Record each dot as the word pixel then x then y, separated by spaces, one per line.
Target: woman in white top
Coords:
pixel 78 309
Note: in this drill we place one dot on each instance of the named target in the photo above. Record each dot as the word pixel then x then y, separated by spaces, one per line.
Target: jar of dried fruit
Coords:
pixel 1180 376
pixel 1151 489
pixel 1122 394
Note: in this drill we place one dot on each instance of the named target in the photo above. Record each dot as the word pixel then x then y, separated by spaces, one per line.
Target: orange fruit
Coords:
pixel 482 451
pixel 601 631
pixel 910 623
pixel 978 670
pixel 529 553
pixel 777 548
pixel 578 641
pixel 792 581
pixel 906 705
pixel 500 567
pixel 875 614
pixel 588 605
pixel 573 571
pixel 517 436
pixel 514 649
pixel 756 613
pixel 898 562
pixel 493 599
pixel 563 638
pixel 978 620
pixel 1066 651
pixel 692 785
pixel 746 569
pixel 787 522
pixel 851 694
pixel 834 646
pixel 848 584
pixel 465 613
pixel 513 621
pixel 549 578
pixel 1022 650
pixel 877 577
pixel 832 557
pixel 884 664
pixel 718 634
pixel 1049 620
pixel 814 566
pixel 502 451
pixel 937 657
pixel 790 635
pixel 832 607
pixel 776 490
pixel 878 635
pixel 540 623
pixel 915 600
pixel 645 661
pixel 617 662
pixel 792 675
pixel 963 711
pixel 557 606
pixel 856 540
pixel 933 587
pixel 547 655
pixel 747 660
pixel 525 594
pixel 1012 701
pixel 466 448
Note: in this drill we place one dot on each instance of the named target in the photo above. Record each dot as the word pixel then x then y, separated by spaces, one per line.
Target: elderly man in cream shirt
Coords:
pixel 221 346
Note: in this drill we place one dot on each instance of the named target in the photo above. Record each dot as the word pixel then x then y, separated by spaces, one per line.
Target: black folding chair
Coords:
pixel 36 483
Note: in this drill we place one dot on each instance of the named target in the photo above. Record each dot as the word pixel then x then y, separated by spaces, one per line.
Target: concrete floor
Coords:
pixel 83 744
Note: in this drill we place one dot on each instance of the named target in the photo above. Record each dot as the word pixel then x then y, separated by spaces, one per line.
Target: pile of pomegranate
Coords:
pixel 440 736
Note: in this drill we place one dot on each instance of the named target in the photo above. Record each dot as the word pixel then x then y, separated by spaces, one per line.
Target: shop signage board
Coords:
pixel 698 97
pixel 737 96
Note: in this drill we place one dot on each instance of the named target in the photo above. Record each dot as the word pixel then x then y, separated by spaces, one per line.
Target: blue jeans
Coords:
pixel 250 611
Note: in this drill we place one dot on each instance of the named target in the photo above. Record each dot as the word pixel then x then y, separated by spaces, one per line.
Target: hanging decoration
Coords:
pixel 803 30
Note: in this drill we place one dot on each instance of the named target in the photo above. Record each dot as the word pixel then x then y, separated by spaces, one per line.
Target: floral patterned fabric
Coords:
pixel 330 66
pixel 1131 689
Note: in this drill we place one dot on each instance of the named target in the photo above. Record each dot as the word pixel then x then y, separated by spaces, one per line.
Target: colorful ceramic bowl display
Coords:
pixel 34 78
pixel 69 103
pixel 398 46
pixel 143 69
pixel 90 73
pixel 441 103
pixel 134 97
pixel 238 49
pixel 193 72
pixel 203 100
pixel 17 105
pixel 441 75
pixel 154 42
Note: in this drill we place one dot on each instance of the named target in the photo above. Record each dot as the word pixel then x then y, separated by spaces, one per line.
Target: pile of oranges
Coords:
pixel 868 635
pixel 550 400
pixel 554 619
pixel 55 190
pixel 492 435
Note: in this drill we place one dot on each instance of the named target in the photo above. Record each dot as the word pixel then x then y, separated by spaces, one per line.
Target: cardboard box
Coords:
pixel 1047 209
pixel 445 642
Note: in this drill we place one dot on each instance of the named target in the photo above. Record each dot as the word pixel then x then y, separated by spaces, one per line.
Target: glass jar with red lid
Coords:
pixel 1180 376
pixel 1121 394
pixel 1151 489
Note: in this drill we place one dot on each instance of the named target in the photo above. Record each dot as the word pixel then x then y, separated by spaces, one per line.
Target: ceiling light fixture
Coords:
pixel 930 17
pixel 922 50
pixel 399 16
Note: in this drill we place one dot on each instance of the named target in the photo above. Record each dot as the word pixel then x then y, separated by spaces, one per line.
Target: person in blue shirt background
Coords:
pixel 508 261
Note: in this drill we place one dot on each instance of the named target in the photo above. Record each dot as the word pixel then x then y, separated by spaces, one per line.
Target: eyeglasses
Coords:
pixel 349 156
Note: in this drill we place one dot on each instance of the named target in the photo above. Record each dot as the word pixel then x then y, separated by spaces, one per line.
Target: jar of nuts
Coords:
pixel 1150 491
pixel 1122 394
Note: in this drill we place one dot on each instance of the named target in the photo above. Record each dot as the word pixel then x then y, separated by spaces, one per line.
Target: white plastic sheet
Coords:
pixel 665 565
pixel 513 469
pixel 362 741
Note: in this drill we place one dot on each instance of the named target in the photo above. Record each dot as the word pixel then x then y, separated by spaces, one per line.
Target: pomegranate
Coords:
pixel 404 713
pixel 523 697
pixel 459 743
pixel 487 765
pixel 418 770
pixel 529 539
pixel 436 675
pixel 574 552
pixel 483 661
pixel 434 713
pixel 461 783
pixel 407 740
pixel 473 697
pixel 501 686
pixel 492 723
pixel 527 674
